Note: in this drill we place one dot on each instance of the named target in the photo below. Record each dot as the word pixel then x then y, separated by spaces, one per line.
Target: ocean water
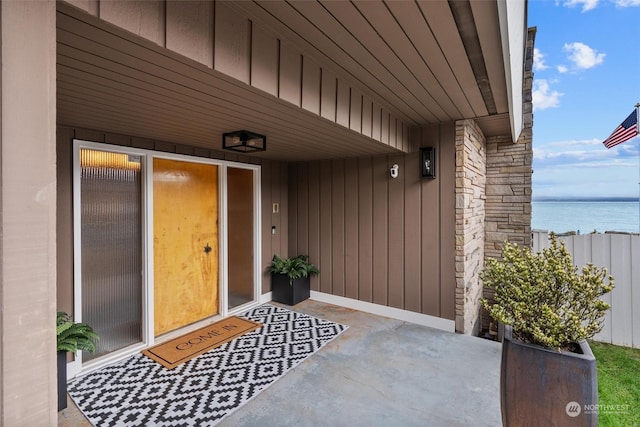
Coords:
pixel 585 216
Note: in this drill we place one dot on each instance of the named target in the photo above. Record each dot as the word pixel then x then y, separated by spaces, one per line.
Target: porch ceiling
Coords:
pixel 427 61
pixel 409 56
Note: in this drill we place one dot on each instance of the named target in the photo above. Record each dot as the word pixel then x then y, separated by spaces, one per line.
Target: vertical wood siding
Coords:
pixel 375 239
pixel 185 19
pixel 311 76
pixel 351 223
pixel 378 239
pixel 219 36
pixel 144 18
pixel 447 219
pixel 274 190
pixel 328 94
pixel 64 219
pixel 232 47
pixel 264 61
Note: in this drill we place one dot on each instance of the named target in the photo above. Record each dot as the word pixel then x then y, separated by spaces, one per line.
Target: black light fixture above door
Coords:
pixel 244 141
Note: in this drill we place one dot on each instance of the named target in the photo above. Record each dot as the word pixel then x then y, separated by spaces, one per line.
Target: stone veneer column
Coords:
pixel 470 223
pixel 28 213
pixel 508 206
pixel 509 170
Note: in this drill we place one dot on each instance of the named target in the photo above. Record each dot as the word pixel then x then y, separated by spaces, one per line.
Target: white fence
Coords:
pixel 620 254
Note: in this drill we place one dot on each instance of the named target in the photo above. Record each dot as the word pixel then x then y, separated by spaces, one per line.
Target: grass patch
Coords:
pixel 618 384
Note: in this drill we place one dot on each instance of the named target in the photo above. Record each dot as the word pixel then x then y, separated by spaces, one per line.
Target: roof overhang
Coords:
pixel 423 62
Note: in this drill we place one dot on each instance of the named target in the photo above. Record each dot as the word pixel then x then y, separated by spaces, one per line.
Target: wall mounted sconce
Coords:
pixel 244 141
pixel 394 171
pixel 428 162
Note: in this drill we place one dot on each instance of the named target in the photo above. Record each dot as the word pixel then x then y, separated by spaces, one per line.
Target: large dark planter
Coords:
pixel 542 387
pixel 290 294
pixel 62 380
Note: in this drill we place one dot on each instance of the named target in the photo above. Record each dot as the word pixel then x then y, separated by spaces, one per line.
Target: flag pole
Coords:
pixel 638 133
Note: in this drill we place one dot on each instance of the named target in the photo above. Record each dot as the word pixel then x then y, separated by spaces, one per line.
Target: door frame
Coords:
pixel 148 337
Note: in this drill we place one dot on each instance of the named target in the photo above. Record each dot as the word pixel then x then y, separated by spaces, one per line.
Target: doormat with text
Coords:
pixel 179 350
pixel 138 391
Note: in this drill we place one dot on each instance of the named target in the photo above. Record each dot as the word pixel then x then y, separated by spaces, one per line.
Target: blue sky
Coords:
pixel 586 82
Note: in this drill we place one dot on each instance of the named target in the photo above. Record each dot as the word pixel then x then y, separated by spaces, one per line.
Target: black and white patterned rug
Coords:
pixel 140 392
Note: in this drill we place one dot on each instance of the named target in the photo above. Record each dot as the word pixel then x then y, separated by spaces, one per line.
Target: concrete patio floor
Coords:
pixel 380 372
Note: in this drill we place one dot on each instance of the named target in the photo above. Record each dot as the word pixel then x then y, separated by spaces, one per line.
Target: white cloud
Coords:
pixel 626 3
pixel 585 153
pixel 584 167
pixel 586 4
pixel 592 4
pixel 538 60
pixel 568 156
pixel 583 56
pixel 562 69
pixel 543 96
pixel 564 145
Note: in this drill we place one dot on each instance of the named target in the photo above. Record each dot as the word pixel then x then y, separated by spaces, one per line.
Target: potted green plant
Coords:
pixel 70 337
pixel 549 309
pixel 290 279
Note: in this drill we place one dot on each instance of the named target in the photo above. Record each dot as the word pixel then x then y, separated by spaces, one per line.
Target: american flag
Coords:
pixel 627 130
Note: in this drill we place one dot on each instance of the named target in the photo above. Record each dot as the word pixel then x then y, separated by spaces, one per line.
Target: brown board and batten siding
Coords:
pixel 377 239
pixel 222 37
pixel 273 190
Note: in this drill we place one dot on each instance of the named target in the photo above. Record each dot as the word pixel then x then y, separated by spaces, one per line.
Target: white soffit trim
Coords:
pixel 381 310
pixel 513 29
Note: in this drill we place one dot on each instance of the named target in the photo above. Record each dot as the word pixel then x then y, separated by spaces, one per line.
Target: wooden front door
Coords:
pixel 185 243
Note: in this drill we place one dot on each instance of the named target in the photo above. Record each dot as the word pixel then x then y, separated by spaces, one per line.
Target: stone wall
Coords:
pixel 508 190
pixel 508 204
pixel 470 223
pixel 509 170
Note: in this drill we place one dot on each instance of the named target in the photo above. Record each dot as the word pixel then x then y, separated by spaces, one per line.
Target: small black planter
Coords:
pixel 62 380
pixel 287 293
pixel 539 386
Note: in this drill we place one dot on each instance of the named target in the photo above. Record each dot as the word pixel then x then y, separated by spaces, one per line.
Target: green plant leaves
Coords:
pixel 544 296
pixel 295 268
pixel 74 336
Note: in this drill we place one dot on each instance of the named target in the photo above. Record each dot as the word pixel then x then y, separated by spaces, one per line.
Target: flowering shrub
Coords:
pixel 544 297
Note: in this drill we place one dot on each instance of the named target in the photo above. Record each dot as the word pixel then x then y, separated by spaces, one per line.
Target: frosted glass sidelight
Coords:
pixel 111 228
